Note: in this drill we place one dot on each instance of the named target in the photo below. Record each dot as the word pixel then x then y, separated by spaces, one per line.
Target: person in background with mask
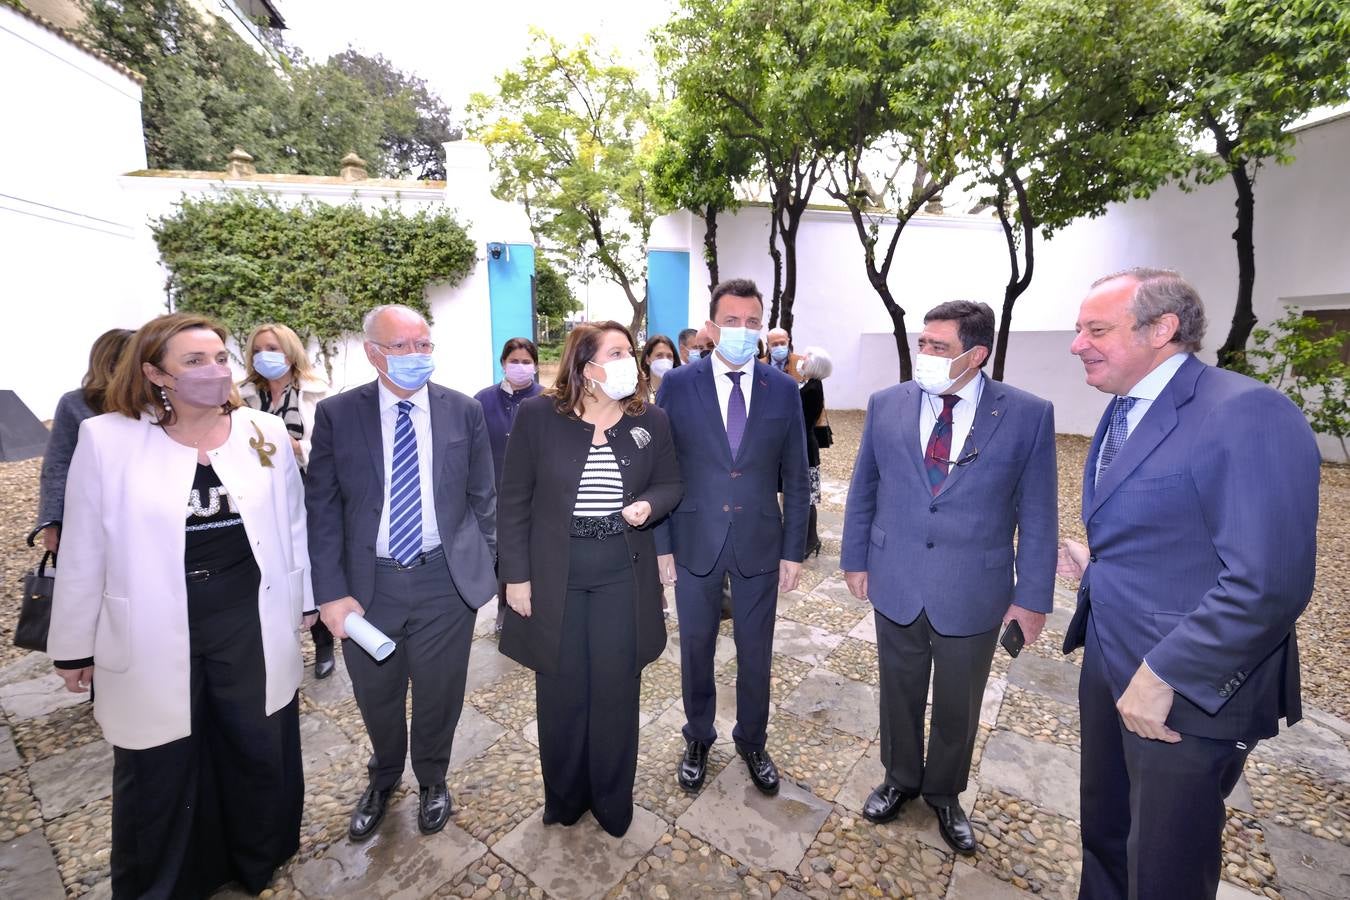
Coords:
pixel 952 467
pixel 184 578
pixel 589 468
pixel 501 402
pixel 401 489
pixel 658 358
pixel 281 381
pixel 815 367
pixel 686 339
pixel 738 430
pixel 699 345
pixel 780 354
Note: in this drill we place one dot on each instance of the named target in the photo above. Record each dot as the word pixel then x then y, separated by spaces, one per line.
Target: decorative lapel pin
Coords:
pixel 641 437
pixel 993 412
pixel 264 447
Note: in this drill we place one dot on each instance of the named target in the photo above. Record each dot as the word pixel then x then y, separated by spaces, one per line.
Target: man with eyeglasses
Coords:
pixel 401 497
pixel 952 465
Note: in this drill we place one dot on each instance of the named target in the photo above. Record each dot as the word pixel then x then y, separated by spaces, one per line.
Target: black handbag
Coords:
pixel 35 616
pixel 824 434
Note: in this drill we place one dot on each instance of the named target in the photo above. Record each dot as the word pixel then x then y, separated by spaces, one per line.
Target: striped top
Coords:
pixel 601 490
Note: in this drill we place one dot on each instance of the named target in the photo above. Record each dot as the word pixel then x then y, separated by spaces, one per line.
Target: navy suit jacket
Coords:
pixel 1203 539
pixel 952 555
pixel 738 495
pixel 344 493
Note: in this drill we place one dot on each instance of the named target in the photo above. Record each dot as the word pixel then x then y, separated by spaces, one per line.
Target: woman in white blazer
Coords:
pixel 184 578
pixel 281 381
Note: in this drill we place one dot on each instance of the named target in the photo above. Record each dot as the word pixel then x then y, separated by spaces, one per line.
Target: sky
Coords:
pixel 460 47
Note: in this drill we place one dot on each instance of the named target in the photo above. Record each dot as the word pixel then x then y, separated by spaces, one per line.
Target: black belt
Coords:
pixel 598 527
pixel 196 576
pixel 420 559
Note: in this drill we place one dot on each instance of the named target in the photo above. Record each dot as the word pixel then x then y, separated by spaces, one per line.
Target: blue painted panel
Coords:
pixel 667 292
pixel 510 292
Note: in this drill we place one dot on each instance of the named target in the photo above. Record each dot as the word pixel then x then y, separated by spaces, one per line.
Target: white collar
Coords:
pixel 721 368
pixel 388 399
pixel 1152 384
pixel 968 393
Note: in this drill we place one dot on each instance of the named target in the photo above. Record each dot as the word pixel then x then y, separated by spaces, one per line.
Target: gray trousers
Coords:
pixel 960 668
pixel 420 610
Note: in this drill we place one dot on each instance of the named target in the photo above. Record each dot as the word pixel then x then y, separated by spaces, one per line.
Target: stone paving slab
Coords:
pixel 9 754
pixel 474 734
pixel 866 629
pixel 826 698
pixel 69 780
pixel 994 690
pixel 580 861
pixel 1043 773
pixel 1311 744
pixel 487 664
pixel 398 863
pixel 723 653
pixel 28 869
pixel 485 623
pixel 1240 797
pixel 36 697
pixel 335 689
pixel 321 743
pixel 1308 868
pixel 806 643
pixel 1230 891
pixel 33 665
pixel 1056 679
pixel 969 883
pixel 768 832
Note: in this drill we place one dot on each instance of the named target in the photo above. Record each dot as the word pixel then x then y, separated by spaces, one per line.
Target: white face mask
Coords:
pixel 621 378
pixel 931 373
pixel 660 367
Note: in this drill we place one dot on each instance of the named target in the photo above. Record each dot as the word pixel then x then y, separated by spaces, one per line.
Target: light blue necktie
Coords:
pixel 405 491
pixel 1116 433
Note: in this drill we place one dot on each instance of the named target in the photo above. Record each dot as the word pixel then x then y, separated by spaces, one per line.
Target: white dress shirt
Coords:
pixel 1145 392
pixel 723 384
pixel 421 421
pixel 963 416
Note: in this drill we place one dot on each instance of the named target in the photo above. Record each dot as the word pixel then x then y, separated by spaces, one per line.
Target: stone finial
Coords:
pixel 240 164
pixel 934 207
pixel 353 168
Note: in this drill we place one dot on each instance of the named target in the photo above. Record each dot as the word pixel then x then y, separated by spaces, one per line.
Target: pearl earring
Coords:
pixel 164 396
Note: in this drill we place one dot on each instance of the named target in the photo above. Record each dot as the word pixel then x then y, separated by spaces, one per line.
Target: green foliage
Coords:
pixel 553 297
pixel 207 91
pixel 1297 357
pixel 244 259
pixel 566 134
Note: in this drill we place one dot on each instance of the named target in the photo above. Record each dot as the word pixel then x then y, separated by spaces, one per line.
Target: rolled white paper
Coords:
pixel 368 637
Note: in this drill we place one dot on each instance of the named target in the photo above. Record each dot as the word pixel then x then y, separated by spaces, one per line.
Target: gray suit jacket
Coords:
pixel 952 555
pixel 344 494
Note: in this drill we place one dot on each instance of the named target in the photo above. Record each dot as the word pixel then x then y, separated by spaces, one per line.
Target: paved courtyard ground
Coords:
pixel 1288 833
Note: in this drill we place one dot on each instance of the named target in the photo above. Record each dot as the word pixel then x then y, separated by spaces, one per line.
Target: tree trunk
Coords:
pixel 1011 291
pixel 789 293
pixel 1019 275
pixel 777 257
pixel 897 315
pixel 1244 319
pixel 710 246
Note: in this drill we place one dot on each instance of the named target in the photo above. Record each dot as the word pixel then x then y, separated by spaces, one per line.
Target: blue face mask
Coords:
pixel 694 354
pixel 271 364
pixel 738 345
pixel 410 371
pixel 779 353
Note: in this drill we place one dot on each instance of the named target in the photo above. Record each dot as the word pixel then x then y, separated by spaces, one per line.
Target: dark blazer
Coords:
pixel 344 493
pixel 1203 535
pixel 813 407
pixel 719 490
pixel 953 555
pixel 499 412
pixel 544 461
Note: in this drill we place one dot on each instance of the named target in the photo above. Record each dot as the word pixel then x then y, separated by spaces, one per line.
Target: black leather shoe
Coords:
pixel 762 770
pixel 885 803
pixel 433 808
pixel 368 814
pixel 323 661
pixel 693 766
pixel 955 829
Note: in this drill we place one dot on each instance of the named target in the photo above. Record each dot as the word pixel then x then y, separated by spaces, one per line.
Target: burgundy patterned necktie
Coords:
pixel 940 445
pixel 735 413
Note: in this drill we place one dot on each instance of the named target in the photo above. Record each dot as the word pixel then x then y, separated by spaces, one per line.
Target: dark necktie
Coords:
pixel 735 413
pixel 940 445
pixel 405 491
pixel 1116 433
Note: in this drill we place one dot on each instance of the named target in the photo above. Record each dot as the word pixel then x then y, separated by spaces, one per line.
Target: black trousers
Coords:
pixel 1152 812
pixel 588 708
pixel 754 602
pixel 421 611
pixel 225 802
pixel 960 668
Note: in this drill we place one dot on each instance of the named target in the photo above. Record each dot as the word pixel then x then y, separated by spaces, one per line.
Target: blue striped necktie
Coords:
pixel 405 491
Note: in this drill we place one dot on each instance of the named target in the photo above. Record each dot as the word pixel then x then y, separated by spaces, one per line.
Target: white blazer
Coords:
pixel 312 391
pixel 121 591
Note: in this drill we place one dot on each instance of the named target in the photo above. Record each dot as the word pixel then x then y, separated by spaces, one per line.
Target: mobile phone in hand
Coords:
pixel 1013 640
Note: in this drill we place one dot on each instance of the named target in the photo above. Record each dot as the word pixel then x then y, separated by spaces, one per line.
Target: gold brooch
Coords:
pixel 264 447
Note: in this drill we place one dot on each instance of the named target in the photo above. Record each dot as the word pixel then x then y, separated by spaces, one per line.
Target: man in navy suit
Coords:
pixel 738 430
pixel 1200 501
pixel 952 465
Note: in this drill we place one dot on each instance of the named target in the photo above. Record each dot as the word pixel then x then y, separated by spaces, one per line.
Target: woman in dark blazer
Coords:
pixel 589 469
pixel 814 367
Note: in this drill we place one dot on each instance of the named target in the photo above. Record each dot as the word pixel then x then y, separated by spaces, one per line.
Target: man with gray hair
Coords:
pixel 778 353
pixel 401 497
pixel 1200 502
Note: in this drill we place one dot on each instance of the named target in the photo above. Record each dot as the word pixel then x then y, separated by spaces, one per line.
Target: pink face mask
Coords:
pixel 203 386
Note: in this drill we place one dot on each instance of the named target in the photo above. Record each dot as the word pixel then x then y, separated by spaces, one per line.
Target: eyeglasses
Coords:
pixel 399 348
pixel 967 456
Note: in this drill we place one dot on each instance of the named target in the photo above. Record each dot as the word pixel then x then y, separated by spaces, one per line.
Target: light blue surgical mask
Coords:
pixel 409 371
pixel 271 364
pixel 738 345
pixel 779 353
pixel 694 354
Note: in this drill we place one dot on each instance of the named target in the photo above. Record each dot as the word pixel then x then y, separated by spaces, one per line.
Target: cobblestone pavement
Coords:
pixel 1287 835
